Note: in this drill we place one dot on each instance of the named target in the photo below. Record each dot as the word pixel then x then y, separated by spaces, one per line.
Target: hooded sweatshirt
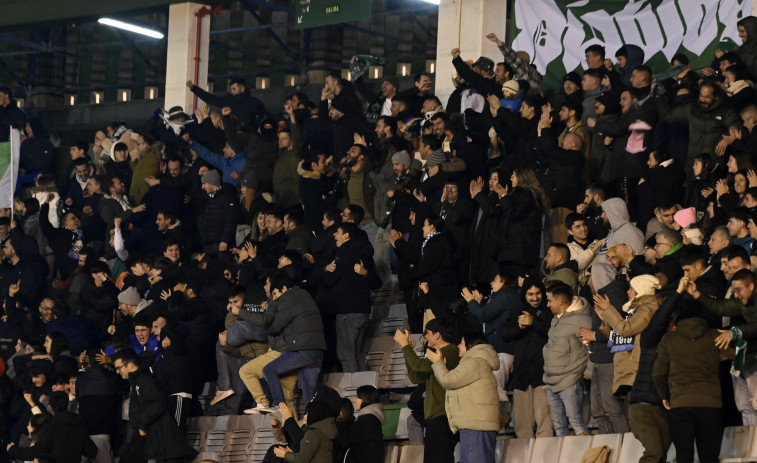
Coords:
pixel 635 57
pixel 748 50
pixel 366 436
pixel 622 230
pixel 472 400
pixel 564 354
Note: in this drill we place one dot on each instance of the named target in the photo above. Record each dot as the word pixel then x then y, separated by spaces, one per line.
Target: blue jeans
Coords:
pixel 566 406
pixel 309 367
pixel 477 446
pixel 242 332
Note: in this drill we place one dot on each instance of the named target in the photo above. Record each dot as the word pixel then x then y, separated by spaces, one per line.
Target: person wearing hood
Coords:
pixel 246 107
pixel 153 433
pixel 365 436
pixel 622 231
pixel 628 57
pixel 685 374
pixel 317 444
pixel 622 328
pixel 28 270
pixel 606 408
pixel 37 152
pixel 607 108
pixel 748 50
pixel 471 401
pixel 231 162
pixel 565 359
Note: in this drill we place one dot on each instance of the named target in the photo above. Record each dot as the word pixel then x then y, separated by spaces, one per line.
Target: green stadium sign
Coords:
pixel 315 13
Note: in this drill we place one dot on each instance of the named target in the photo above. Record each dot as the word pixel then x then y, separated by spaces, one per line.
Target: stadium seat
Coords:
pixel 738 444
pixel 546 450
pixel 411 454
pixel 516 450
pixel 613 441
pixel 397 311
pixel 631 449
pixel 391 453
pixel 573 448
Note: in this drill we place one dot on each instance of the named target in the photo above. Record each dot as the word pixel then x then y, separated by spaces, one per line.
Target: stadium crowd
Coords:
pixel 598 242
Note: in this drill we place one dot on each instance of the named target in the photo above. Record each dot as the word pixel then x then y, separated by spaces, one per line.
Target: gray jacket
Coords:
pixel 564 354
pixel 293 321
pixel 622 230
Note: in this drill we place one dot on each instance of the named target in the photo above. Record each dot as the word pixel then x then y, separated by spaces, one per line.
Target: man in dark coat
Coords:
pixel 10 114
pixel 346 293
pixel 152 428
pixel 246 107
pixel 218 222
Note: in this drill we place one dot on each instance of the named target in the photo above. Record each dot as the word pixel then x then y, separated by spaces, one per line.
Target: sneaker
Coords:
pixel 221 396
pixel 255 410
pixel 267 410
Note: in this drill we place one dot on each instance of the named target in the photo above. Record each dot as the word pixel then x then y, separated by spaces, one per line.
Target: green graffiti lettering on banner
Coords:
pixel 556 33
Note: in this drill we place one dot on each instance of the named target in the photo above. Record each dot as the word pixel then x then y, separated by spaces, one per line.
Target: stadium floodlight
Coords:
pixel 435 2
pixel 131 27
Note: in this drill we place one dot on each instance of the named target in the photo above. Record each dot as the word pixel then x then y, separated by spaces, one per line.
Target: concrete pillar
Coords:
pixel 180 60
pixel 464 24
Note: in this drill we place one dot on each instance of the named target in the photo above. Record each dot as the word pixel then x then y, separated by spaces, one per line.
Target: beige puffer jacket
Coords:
pixel 471 401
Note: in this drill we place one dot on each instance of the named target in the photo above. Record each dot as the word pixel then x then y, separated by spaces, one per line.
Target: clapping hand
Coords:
pixel 433 355
pixel 403 338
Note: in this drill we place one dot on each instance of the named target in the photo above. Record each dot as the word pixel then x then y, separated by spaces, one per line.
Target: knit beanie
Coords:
pixel 511 86
pixel 572 77
pixel 436 158
pixel 685 217
pixel 129 296
pixel 645 284
pixel 340 104
pixel 250 180
pixel 211 177
pixel 402 157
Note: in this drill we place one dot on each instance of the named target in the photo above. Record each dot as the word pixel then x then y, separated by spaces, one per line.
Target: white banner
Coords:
pixel 556 33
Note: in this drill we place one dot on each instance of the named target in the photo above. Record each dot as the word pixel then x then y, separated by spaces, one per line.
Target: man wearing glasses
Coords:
pixel 151 427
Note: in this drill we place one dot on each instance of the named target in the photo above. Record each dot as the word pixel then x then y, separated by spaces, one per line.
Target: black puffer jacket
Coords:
pixel 528 364
pixel 522 227
pixel 218 223
pixel 483 239
pixel 560 171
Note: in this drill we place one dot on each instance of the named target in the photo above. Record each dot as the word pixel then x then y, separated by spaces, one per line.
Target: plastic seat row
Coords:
pixel 231 439
pixel 739 445
pixel 386 358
